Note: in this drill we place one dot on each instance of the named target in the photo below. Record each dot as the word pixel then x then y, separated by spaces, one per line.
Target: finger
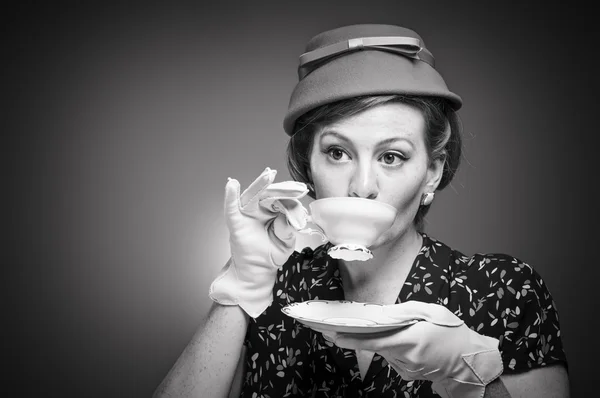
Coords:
pixel 408 374
pixel 329 335
pixel 257 186
pixel 398 339
pixel 284 245
pixel 280 254
pixel 285 189
pixel 410 308
pixel 295 213
pixel 433 313
pixel 394 359
pixel 232 197
pixel 283 230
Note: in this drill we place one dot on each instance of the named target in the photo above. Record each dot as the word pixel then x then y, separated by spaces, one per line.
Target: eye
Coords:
pixel 336 153
pixel 392 158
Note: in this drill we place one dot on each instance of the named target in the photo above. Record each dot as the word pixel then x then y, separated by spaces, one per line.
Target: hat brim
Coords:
pixel 367 72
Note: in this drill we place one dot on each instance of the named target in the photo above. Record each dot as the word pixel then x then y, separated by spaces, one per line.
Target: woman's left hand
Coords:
pixel 440 347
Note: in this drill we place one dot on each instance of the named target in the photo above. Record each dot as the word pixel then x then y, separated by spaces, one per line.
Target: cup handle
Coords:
pixel 313 231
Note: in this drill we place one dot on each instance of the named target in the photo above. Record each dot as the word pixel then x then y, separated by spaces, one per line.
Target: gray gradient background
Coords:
pixel 123 123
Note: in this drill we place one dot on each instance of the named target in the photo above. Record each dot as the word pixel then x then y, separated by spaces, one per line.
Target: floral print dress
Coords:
pixel 495 294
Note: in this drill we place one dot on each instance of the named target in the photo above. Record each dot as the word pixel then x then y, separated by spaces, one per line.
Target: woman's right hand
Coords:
pixel 261 240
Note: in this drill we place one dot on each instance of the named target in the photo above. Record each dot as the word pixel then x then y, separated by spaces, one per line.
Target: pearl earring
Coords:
pixel 427 198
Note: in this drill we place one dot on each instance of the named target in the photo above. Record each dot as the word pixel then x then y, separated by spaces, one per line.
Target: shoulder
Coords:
pixel 449 277
pixel 502 296
pixel 503 279
pixel 492 273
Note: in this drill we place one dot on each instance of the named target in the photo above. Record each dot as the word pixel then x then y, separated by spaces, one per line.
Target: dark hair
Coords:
pixel 442 135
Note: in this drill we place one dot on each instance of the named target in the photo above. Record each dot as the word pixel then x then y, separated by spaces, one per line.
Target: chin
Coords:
pixel 390 236
pixel 384 239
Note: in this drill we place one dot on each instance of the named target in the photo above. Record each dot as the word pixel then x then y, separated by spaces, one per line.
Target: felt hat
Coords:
pixel 366 59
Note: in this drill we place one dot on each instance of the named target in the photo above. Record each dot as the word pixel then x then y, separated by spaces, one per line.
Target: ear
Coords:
pixel 435 172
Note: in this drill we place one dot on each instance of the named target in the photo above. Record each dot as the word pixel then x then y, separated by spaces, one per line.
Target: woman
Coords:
pixel 370 118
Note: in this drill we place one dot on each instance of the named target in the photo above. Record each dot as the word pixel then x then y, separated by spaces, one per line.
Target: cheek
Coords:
pixel 329 185
pixel 401 191
pixel 328 181
pixel 404 222
pixel 405 196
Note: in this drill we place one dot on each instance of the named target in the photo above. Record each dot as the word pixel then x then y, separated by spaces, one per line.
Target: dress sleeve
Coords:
pixel 531 335
pixel 275 344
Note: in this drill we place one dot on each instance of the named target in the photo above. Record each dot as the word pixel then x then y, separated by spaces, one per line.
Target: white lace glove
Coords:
pixel 441 348
pixel 261 223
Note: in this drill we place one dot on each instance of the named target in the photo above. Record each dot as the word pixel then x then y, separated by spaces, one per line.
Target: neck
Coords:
pixel 385 272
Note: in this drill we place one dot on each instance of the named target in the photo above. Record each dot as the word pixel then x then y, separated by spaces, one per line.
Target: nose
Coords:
pixel 364 183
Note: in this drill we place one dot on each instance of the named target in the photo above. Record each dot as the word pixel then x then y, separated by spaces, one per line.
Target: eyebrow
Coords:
pixel 381 143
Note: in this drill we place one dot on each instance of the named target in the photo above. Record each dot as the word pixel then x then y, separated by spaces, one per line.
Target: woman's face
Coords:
pixel 378 154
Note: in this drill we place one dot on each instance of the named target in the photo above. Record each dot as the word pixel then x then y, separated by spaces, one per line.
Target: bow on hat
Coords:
pixel 406 46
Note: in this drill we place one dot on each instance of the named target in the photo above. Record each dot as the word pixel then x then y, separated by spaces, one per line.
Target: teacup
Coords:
pixel 351 224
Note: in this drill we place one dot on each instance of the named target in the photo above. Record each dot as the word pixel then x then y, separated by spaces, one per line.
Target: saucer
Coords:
pixel 345 316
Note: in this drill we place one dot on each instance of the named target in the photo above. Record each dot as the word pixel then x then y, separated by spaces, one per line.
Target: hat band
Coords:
pixel 406 46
